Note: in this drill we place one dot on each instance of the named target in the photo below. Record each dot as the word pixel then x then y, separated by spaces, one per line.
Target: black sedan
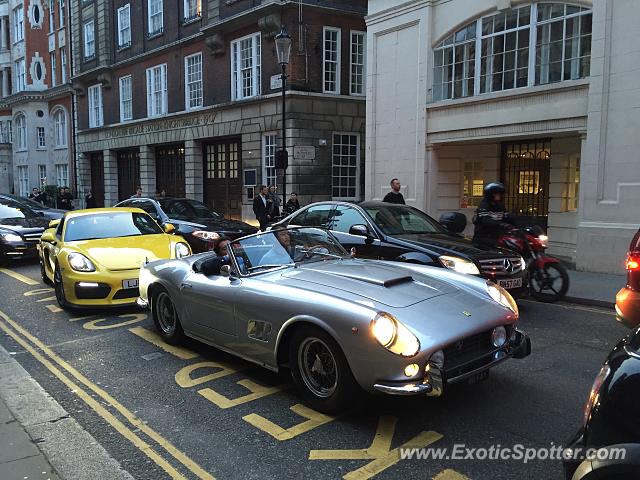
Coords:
pixel 402 233
pixel 20 230
pixel 48 212
pixel 607 447
pixel 190 216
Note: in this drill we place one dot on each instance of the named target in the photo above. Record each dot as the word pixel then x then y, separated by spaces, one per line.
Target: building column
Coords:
pixel 83 176
pixel 147 170
pixel 6 89
pixel 3 33
pixel 110 178
pixel 193 170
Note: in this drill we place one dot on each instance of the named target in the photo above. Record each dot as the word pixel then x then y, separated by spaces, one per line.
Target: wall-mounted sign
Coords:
pixel 276 82
pixel 250 178
pixel 304 152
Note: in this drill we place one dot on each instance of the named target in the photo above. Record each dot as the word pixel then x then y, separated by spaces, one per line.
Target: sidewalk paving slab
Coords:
pixel 597 289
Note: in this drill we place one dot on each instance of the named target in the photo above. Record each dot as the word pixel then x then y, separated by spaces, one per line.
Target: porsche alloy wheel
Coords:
pixel 58 286
pixel 320 370
pixel 166 318
pixel 43 272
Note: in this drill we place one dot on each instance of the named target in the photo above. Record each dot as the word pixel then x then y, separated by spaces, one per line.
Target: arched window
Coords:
pixel 60 128
pixel 530 45
pixel 21 132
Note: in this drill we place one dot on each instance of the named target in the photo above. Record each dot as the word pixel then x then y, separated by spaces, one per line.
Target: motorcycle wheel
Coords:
pixel 549 284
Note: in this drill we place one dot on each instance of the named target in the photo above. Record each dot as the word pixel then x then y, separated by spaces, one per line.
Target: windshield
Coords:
pixel 283 247
pixel 188 210
pixel 15 210
pixel 109 225
pixel 30 203
pixel 403 220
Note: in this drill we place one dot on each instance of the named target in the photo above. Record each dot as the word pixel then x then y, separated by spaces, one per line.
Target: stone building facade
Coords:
pixel 539 95
pixel 188 101
pixel 35 96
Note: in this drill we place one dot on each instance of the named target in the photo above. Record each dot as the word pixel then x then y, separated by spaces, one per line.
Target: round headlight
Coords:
pixel 437 359
pixel 80 263
pixel 384 329
pixel 182 250
pixel 501 296
pixel 499 336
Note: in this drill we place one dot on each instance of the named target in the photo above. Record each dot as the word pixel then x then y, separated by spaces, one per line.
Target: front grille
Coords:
pixel 127 293
pixel 92 293
pixel 501 266
pixel 469 354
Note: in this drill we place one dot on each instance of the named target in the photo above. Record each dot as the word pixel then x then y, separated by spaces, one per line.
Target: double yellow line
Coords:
pixel 66 374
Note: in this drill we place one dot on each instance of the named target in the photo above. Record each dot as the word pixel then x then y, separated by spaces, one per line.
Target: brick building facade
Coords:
pixel 184 96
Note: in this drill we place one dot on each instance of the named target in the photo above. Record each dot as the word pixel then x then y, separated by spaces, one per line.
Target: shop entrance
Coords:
pixel 222 179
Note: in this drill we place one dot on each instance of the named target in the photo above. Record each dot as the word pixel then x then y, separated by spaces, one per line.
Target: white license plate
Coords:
pixel 511 283
pixel 133 283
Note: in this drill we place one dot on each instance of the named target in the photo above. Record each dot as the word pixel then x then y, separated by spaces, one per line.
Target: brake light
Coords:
pixel 633 262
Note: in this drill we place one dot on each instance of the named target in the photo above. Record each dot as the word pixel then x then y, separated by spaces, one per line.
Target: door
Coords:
pixel 343 219
pixel 170 170
pixel 210 303
pixel 525 174
pixel 97 177
pixel 128 174
pixel 222 182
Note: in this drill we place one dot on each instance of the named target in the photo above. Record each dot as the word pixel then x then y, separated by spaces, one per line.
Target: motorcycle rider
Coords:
pixel 491 218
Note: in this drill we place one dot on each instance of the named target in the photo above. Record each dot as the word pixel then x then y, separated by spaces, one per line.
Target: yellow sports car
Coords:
pixel 93 256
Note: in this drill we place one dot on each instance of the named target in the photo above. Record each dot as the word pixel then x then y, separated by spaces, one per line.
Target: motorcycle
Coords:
pixel 548 278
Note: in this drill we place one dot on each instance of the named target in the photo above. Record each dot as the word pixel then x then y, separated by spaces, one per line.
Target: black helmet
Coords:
pixel 493 187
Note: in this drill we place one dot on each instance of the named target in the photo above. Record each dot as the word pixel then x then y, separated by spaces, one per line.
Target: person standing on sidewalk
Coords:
pixel 261 209
pixel 274 202
pixel 394 196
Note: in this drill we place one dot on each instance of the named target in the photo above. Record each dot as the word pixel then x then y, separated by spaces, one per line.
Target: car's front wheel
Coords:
pixel 165 317
pixel 58 286
pixel 320 370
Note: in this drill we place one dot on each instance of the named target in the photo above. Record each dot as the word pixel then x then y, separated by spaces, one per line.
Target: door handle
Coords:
pixel 184 285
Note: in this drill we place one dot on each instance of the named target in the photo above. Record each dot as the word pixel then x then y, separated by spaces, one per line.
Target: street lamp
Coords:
pixel 283 50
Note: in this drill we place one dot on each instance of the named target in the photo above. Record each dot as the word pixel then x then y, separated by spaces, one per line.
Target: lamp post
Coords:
pixel 283 49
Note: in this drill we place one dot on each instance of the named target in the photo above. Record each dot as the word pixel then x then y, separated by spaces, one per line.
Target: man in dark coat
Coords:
pixel 492 218
pixel 261 208
pixel 394 196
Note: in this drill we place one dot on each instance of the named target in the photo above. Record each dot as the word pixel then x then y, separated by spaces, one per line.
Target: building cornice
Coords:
pixel 398 10
pixel 27 96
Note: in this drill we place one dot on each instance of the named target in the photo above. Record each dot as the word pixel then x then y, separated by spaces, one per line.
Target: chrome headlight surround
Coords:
pixel 394 336
pixel 182 250
pixel 501 296
pixel 460 265
pixel 80 263
pixel 11 237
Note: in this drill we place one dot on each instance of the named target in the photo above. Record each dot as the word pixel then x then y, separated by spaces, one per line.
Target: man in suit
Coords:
pixel 261 209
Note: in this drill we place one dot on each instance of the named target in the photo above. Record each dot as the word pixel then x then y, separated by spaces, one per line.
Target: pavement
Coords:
pixel 596 289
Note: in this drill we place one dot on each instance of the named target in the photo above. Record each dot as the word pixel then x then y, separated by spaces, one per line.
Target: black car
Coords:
pixel 50 213
pixel 20 230
pixel 607 447
pixel 402 233
pixel 189 216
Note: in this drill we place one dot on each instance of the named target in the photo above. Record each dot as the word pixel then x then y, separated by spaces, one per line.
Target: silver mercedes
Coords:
pixel 295 298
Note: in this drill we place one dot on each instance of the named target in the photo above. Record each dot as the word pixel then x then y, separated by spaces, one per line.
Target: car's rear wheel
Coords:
pixel 165 317
pixel 58 286
pixel 320 370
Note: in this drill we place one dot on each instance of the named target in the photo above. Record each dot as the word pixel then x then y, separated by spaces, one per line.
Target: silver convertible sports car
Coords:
pixel 295 298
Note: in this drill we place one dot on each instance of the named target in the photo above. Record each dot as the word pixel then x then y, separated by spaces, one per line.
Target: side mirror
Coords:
pixel 225 271
pixel 454 222
pixel 169 228
pixel 40 213
pixel 359 230
pixel 48 237
pixel 54 223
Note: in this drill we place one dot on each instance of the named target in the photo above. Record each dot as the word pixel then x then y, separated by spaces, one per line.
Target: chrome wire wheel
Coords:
pixel 166 313
pixel 318 367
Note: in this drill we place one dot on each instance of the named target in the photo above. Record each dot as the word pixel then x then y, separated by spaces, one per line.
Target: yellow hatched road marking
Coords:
pixel 98 408
pixel 156 340
pixel 257 391
pixel 38 291
pixel 314 420
pixel 54 308
pixel 135 318
pixel 19 277
pixel 48 299
pixel 449 474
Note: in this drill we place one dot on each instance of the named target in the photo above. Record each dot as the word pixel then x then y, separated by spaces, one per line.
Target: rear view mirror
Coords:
pixel 359 230
pixel 455 222
pixel 54 223
pixel 169 228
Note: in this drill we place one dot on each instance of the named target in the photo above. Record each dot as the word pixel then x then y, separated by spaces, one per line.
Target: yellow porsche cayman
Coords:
pixel 93 256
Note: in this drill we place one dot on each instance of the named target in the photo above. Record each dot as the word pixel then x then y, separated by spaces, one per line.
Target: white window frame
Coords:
pixel 18 24
pixel 337 62
pixel 188 4
pixel 237 90
pixel 358 166
pixel 23 180
pixel 61 6
pixel 62 175
pixel 152 17
pixel 52 24
pixel 52 60
pixel 63 66
pixel 89 40
pixel 269 149
pixel 41 137
pixel 60 128
pixel 154 88
pixel 94 102
pixel 126 98
pixel 21 132
pixel 20 75
pixel 124 26
pixel 191 83
pixel 352 34
pixel 42 179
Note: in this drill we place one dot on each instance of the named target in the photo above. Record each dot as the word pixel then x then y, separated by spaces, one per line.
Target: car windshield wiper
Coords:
pixel 280 265
pixel 310 253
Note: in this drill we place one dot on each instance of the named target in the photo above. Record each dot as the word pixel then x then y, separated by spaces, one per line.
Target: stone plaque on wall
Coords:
pixel 304 152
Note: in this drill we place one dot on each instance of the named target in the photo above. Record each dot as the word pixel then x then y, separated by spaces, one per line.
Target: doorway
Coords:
pixel 170 170
pixel 96 160
pixel 222 181
pixel 128 174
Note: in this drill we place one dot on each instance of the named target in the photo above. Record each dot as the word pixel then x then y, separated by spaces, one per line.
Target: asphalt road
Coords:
pixel 195 412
